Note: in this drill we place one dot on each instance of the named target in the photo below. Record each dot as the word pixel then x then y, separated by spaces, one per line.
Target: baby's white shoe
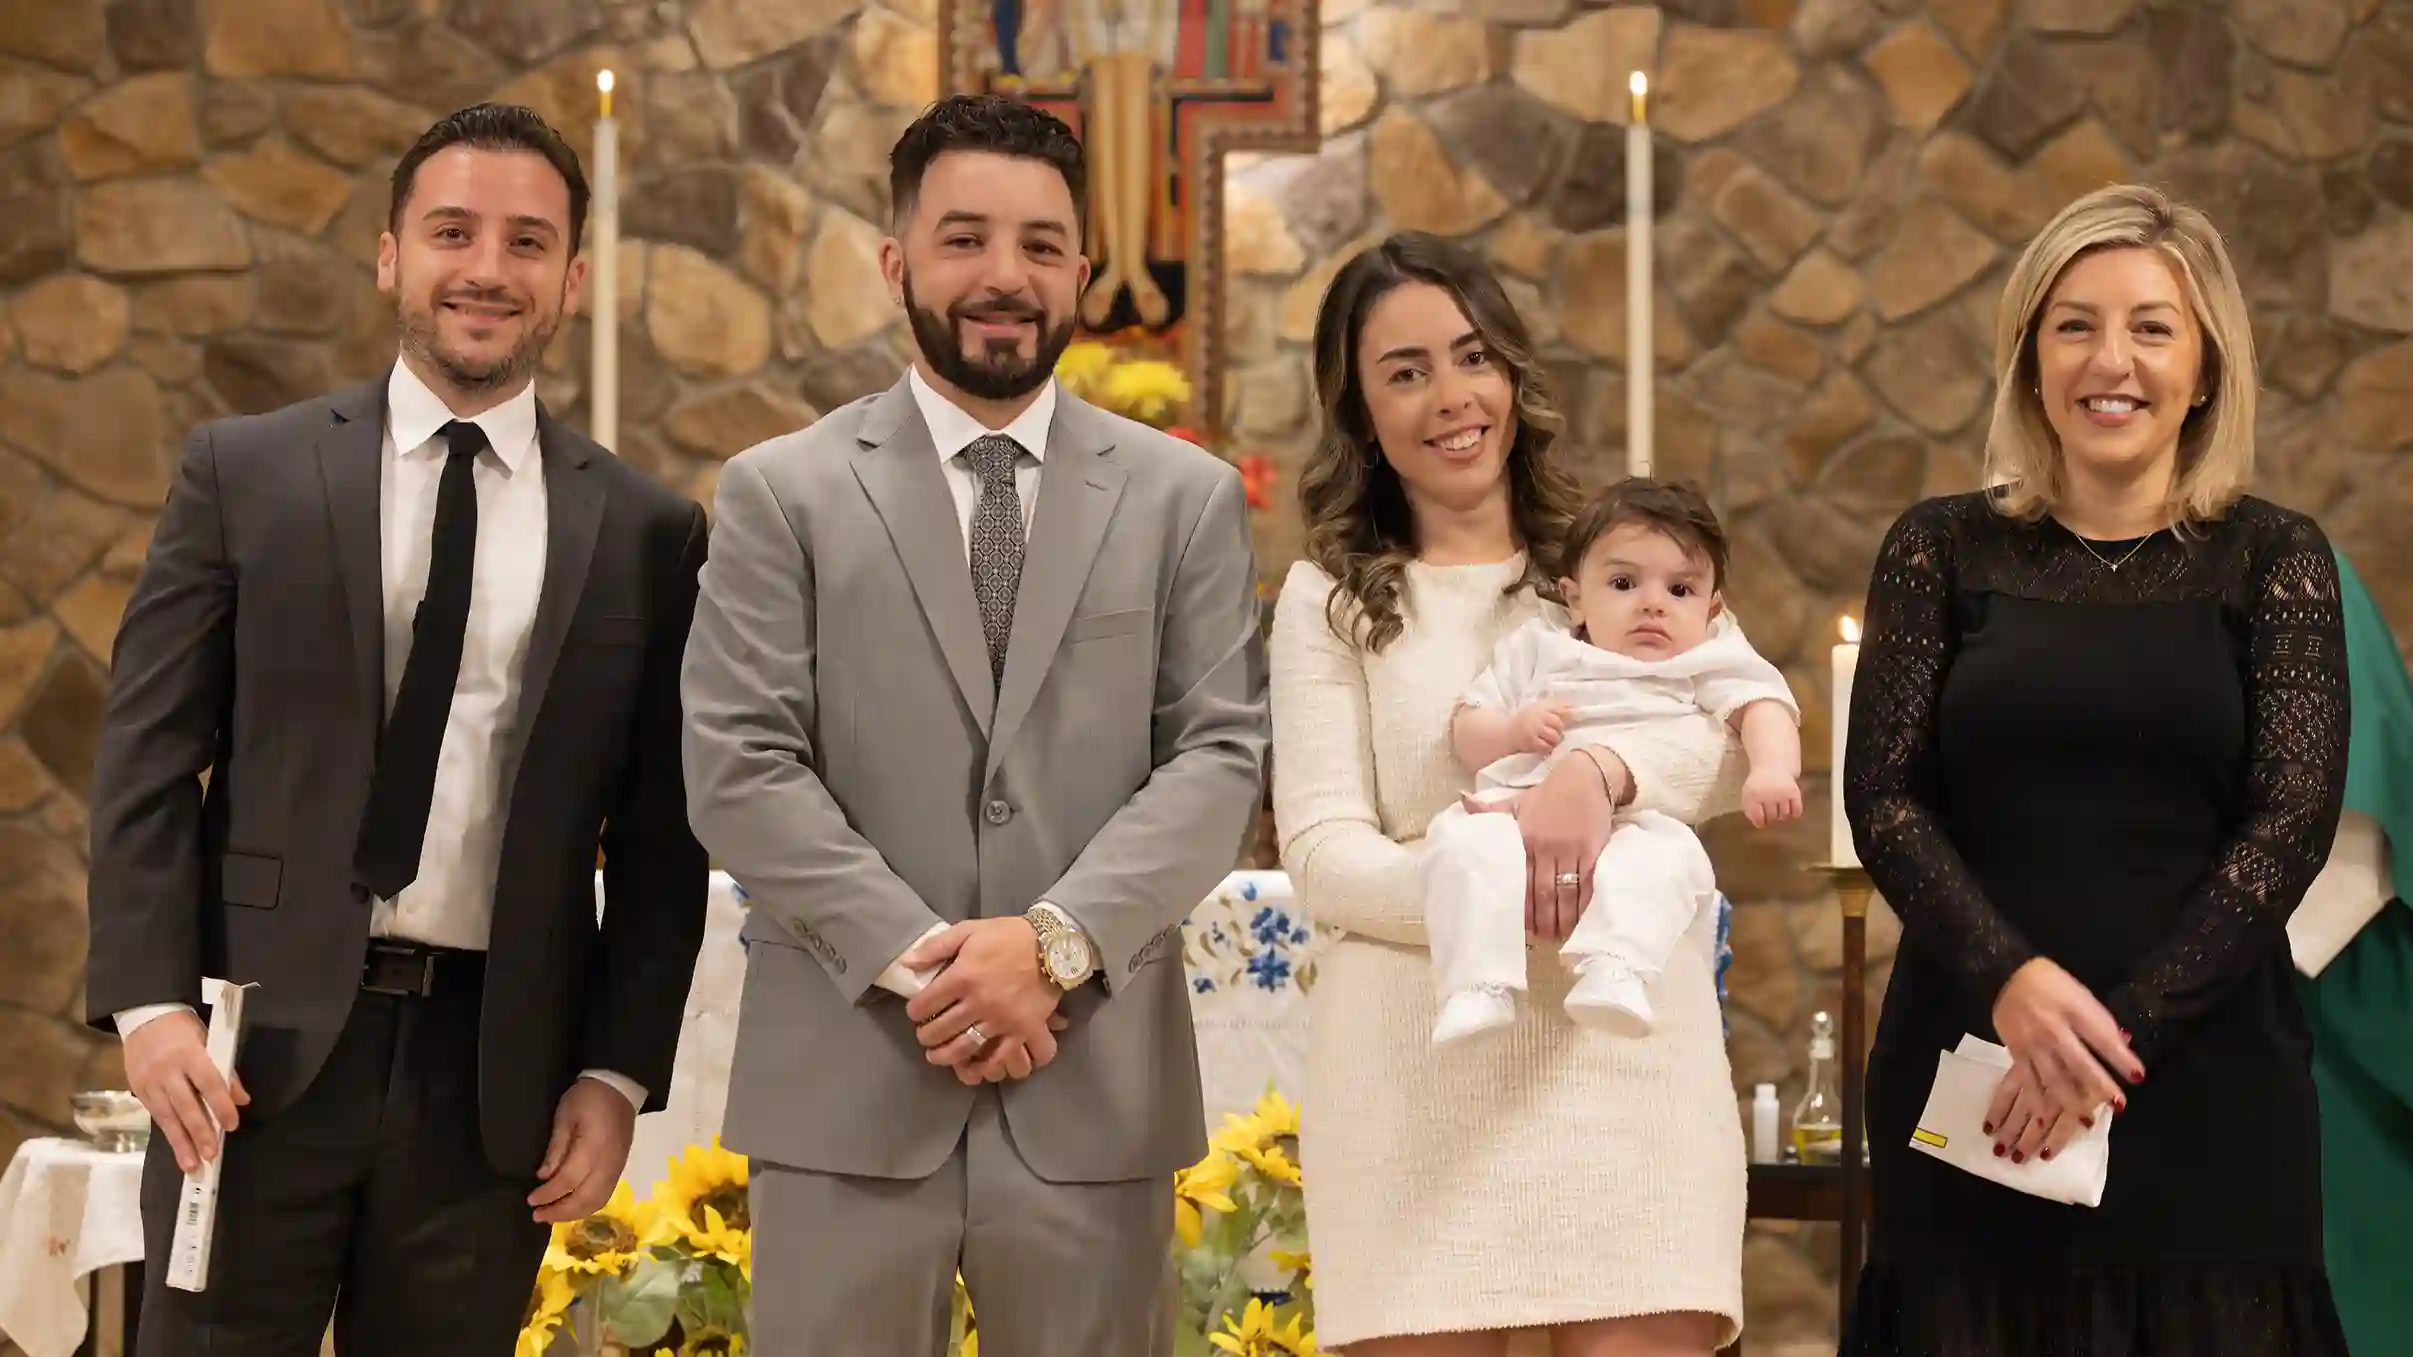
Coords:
pixel 1473 1011
pixel 1611 998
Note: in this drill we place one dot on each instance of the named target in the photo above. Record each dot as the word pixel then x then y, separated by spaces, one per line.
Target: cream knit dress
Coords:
pixel 1538 1175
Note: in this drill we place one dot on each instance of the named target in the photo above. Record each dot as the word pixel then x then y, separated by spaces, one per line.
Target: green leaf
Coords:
pixel 637 1310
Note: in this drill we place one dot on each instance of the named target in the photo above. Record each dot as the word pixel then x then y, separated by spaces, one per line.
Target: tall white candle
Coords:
pixel 604 315
pixel 1846 662
pixel 1638 300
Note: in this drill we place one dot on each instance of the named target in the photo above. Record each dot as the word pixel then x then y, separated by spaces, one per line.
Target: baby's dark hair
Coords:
pixel 1677 509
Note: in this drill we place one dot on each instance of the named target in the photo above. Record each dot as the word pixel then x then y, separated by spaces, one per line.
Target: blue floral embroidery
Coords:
pixel 1202 985
pixel 1269 969
pixel 1249 937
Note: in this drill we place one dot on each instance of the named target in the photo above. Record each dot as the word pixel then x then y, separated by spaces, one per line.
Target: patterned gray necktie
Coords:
pixel 996 541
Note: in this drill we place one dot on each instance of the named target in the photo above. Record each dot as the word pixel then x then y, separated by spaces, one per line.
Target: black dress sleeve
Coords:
pixel 2297 728
pixel 1890 775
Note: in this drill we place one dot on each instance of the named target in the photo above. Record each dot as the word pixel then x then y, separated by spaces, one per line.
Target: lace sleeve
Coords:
pixel 1890 776
pixel 2297 713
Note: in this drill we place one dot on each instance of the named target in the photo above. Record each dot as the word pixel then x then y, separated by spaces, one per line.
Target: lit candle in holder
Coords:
pixel 604 315
pixel 1846 662
pixel 1638 300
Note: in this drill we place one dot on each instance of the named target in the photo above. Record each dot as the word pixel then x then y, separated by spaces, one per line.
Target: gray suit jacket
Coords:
pixel 850 766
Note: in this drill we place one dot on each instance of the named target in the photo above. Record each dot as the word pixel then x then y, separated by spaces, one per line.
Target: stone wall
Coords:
pixel 196 187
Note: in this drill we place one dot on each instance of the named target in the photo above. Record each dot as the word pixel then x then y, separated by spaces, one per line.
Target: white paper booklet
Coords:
pixel 197 1205
pixel 1952 1129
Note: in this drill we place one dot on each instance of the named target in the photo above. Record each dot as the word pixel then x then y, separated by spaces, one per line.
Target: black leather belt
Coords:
pixel 416 971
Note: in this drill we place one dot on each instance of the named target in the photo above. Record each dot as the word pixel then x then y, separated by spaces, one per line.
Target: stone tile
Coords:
pixel 253 376
pixel 2296 114
pixel 42 554
pixel 1296 315
pixel 2028 96
pixel 232 112
pixel 61 722
pixel 723 423
pixel 1418 53
pixel 1822 141
pixel 1711 278
pixel 2077 16
pixel 695 206
pixel 2280 249
pixel 1837 410
pixel 42 927
pixel 1821 290
pixel 689 118
pixel 2375 398
pixel 280 37
pixel 2197 53
pixel 1926 372
pixel 22 781
pixel 730 33
pixel 2378 65
pixel 305 288
pixel 704 319
pixel 1771 223
pixel 125 559
pixel 1592 309
pixel 1933 254
pixel 1764 981
pixel 847 300
pixel 1323 197
pixel 1516 142
pixel 1591 194
pixel 895 60
pixel 1716 80
pixel 1874 216
pixel 1580 68
pixel 526 31
pixel 25 650
pixel 1858 333
pixel 1975 25
pixel 45 1068
pixel 2303 354
pixel 91 611
pixel 35 235
pixel 1418 186
pixel 2081 160
pixel 354 127
pixel 2011 205
pixel 1773 346
pixel 156 226
pixel 72 322
pixel 2389 172
pixel 1782 1292
pixel 70 34
pixel 2123 77
pixel 2308 33
pixel 32 98
pixel 101 432
pixel 775 217
pixel 1921 75
pixel 1825 30
pixel 1348 92
pixel 426 63
pixel 1272 399
pixel 171 362
pixel 832 380
pixel 141 126
pixel 1255 238
pixel 1525 246
pixel 846 161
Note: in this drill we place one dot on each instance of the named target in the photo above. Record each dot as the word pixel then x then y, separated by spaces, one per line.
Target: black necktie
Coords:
pixel 394 826
pixel 996 555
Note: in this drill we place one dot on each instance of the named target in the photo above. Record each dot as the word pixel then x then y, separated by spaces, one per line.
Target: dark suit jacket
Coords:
pixel 252 650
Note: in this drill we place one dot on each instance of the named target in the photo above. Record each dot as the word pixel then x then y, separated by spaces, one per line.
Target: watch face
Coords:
pixel 1067 956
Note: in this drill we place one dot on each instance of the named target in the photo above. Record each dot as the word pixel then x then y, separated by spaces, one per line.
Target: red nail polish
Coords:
pixel 1999 1151
pixel 2087 1122
pixel 1987 1129
pixel 2119 1104
pixel 2046 1155
pixel 2124 1034
pixel 2019 1156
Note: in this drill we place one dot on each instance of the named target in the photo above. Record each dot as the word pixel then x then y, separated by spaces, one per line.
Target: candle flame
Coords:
pixel 1850 627
pixel 1639 84
pixel 603 83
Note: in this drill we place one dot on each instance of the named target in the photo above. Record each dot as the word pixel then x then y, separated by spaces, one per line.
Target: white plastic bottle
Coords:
pixel 1764 1135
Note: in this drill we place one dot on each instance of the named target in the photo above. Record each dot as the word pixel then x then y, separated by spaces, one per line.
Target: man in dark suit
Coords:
pixel 399 661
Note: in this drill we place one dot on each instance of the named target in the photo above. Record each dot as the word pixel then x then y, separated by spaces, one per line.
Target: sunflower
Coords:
pixel 710 1341
pixel 703 1178
pixel 1299 1265
pixel 1257 1335
pixel 1204 1186
pixel 1083 365
pixel 1273 1163
pixel 719 1239
pixel 606 1242
pixel 1279 1115
pixel 548 1300
pixel 1239 1134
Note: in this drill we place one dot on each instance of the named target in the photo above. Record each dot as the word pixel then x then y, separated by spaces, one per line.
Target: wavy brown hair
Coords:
pixel 1360 529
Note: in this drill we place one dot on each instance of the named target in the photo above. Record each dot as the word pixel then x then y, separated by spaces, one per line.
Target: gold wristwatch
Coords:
pixel 1064 951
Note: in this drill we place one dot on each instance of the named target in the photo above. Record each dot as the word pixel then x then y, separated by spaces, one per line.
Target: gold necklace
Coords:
pixel 2125 557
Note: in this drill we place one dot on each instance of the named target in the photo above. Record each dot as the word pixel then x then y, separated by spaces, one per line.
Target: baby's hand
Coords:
pixel 1539 726
pixel 1771 799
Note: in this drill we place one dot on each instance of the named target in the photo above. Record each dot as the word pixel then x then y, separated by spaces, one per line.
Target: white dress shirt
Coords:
pixel 951 431
pixel 450 903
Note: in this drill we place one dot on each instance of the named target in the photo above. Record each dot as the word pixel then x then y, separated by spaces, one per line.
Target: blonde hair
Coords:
pixel 2216 441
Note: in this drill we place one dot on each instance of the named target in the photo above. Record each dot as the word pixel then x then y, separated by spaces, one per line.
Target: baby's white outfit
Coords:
pixel 1649 880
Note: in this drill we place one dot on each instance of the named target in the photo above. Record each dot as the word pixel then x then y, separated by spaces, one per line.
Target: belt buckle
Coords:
pixel 427 972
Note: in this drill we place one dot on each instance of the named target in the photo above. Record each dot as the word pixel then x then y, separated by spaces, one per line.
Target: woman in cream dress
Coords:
pixel 1544 1179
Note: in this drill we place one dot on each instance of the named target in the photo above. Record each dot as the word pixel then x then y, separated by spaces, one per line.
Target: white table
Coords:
pixel 67 1211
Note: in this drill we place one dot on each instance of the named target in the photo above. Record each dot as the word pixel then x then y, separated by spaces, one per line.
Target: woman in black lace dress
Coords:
pixel 2098 743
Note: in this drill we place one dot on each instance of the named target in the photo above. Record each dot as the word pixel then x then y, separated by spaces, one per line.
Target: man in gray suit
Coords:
pixel 976 702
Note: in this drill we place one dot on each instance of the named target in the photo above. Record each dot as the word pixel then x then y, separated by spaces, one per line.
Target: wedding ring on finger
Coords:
pixel 979 1038
pixel 1570 880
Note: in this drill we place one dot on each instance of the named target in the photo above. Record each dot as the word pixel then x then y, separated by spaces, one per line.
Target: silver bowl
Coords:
pixel 112 1119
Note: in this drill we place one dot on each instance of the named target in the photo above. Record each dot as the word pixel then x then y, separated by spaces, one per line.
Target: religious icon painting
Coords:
pixel 1159 91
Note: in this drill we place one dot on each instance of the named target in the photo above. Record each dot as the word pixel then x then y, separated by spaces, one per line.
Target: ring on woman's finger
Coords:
pixel 1569 880
pixel 979 1038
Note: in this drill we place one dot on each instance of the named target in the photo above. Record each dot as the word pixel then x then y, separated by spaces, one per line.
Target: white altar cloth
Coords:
pixel 1251 957
pixel 67 1210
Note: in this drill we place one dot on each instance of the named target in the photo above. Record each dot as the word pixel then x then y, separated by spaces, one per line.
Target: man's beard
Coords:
pixel 1001 373
pixel 423 338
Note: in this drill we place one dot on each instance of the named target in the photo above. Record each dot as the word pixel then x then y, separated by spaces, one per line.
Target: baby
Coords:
pixel 1642 573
